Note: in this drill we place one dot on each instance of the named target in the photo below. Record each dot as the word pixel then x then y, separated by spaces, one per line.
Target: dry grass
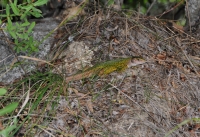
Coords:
pixel 149 100
pixel 163 93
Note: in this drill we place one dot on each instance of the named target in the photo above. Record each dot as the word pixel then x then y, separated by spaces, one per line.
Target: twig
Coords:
pixel 179 44
pixel 151 6
pixel 188 15
pixel 143 108
pixel 171 9
pixel 40 60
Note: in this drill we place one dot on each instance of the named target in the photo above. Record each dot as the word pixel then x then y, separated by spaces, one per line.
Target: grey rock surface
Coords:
pixel 192 10
pixel 9 73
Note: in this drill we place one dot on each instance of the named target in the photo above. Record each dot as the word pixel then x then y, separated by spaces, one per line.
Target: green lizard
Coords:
pixel 108 67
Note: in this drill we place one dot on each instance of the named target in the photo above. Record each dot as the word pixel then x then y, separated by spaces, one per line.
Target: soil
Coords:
pixel 149 100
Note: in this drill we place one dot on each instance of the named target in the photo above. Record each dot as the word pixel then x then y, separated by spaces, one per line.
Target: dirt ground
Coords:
pixel 149 100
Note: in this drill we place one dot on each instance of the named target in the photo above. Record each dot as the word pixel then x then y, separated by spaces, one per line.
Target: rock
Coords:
pixel 9 73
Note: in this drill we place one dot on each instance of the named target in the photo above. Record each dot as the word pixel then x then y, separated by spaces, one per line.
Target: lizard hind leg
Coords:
pixel 121 69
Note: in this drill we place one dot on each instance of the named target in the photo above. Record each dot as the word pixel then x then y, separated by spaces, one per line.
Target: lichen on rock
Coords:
pixel 76 57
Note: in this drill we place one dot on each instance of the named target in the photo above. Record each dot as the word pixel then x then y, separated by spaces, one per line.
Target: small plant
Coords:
pixel 6 110
pixel 21 31
pixel 191 120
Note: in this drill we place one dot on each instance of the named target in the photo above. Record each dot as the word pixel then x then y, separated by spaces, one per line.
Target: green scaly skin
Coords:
pixel 101 69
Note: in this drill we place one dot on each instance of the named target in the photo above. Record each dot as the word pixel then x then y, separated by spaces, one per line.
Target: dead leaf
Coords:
pixel 76 92
pixel 161 56
pixel 90 105
pixel 73 12
pixel 182 77
pixel 1 126
pixel 112 29
pixel 116 41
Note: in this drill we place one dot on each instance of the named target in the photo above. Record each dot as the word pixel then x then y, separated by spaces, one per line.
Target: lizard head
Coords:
pixel 136 61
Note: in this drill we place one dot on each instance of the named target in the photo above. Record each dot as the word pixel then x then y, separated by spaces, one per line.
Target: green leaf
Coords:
pixel 21 29
pixel 4 2
pixel 9 22
pixel 17 24
pixel 20 36
pixel 13 34
pixel 16 42
pixel 26 37
pixel 110 2
pixel 23 16
pixel 36 10
pixel 15 2
pixel 31 27
pixel 40 2
pixel 13 28
pixel 7 10
pixel 25 24
pixel 6 132
pixel 2 91
pixel 3 15
pixel 18 49
pixel 37 15
pixel 10 28
pixel 9 108
pixel 14 9
pixel 30 1
pixel 27 8
pixel 23 49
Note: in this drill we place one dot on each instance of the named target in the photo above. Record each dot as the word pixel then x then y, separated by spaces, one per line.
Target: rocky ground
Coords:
pixel 152 99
